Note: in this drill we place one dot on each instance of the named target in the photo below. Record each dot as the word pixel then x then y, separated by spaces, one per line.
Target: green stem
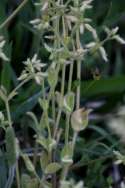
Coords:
pixel 43 90
pixel 48 127
pixel 63 79
pixel 57 122
pixel 70 77
pixel 53 107
pixel 8 113
pixel 46 111
pixel 62 93
pixel 68 115
pixel 35 154
pixel 62 86
pixel 78 87
pixel 17 88
pixel 67 128
pixel 78 72
pixel 13 14
pixel 74 140
pixel 17 175
pixel 65 172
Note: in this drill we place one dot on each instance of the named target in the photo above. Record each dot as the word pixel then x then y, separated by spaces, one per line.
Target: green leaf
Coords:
pixel 43 142
pixel 44 160
pixel 27 182
pixel 44 104
pixel 11 148
pixel 69 101
pixel 34 118
pixel 3 93
pixel 52 168
pixel 48 144
pixel 26 106
pixel 3 169
pixel 65 184
pixel 52 77
pixel 108 86
pixel 51 144
pixel 25 179
pixel 29 165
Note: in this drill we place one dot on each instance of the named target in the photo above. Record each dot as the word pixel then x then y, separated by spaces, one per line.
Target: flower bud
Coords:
pixel 79 119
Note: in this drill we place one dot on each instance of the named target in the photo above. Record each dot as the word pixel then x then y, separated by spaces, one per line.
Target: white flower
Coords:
pixel 86 5
pixel 111 32
pixel 39 24
pixel 103 53
pixel 33 69
pixel 2 54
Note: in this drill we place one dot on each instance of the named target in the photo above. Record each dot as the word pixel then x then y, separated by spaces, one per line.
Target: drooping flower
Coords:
pixel 2 54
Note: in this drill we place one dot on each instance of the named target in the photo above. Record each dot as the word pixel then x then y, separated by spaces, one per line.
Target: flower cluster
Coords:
pixel 33 70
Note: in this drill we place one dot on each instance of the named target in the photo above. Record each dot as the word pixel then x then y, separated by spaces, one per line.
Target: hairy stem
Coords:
pixel 62 93
pixel 67 128
pixel 8 113
pixel 17 175
pixel 18 87
pixel 13 14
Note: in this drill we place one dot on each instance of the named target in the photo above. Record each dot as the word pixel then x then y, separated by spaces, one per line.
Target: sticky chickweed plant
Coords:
pixel 60 25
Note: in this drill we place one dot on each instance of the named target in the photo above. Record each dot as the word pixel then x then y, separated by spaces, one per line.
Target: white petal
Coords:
pixel 23 77
pixel 115 30
pixel 91 45
pixel 103 53
pixel 36 21
pixel 92 30
pixel 3 56
pixel 34 58
pixel 88 1
pixel 71 18
pixel 119 39
pixel 2 44
pixel 45 6
pixel 48 48
pixel 81 29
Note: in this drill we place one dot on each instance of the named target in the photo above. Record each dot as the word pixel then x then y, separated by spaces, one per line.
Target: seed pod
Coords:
pixel 79 119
